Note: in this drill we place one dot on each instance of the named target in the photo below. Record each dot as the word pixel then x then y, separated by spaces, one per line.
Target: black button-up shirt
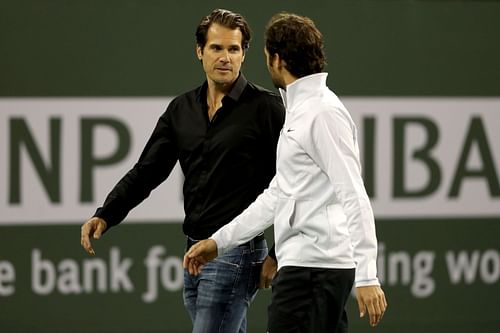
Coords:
pixel 227 162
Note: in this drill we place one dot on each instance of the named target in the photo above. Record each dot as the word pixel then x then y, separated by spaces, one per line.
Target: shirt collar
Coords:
pixel 235 92
pixel 301 88
pixel 238 87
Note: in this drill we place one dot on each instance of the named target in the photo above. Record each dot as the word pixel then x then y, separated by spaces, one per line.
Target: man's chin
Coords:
pixel 225 80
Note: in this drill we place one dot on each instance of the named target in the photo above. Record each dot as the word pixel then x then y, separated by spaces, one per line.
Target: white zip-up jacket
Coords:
pixel 317 200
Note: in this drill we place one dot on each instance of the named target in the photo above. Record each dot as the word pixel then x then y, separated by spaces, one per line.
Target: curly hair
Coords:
pixel 226 19
pixel 298 42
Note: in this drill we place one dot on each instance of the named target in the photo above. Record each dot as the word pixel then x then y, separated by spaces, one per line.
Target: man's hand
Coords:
pixel 268 272
pixel 373 299
pixel 94 228
pixel 198 255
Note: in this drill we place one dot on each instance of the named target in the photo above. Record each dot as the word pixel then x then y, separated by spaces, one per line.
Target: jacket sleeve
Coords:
pixel 251 222
pixel 334 147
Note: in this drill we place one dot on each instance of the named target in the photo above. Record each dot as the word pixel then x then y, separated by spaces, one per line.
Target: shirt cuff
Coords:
pixel 366 283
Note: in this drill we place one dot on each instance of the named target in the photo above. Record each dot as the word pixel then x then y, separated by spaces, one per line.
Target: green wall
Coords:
pixel 457 303
pixel 146 47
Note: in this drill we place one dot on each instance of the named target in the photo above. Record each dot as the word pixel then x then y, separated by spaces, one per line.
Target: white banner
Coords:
pixel 432 157
pixel 467 140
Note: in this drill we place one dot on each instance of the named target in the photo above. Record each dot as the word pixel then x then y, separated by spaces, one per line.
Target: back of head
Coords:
pixel 226 19
pixel 298 42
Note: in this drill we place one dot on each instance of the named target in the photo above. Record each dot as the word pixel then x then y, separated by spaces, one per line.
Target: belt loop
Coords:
pixel 252 245
pixel 190 242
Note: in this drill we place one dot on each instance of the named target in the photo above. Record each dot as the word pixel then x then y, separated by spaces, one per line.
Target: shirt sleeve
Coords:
pixel 157 160
pixel 271 127
pixel 334 147
pixel 251 222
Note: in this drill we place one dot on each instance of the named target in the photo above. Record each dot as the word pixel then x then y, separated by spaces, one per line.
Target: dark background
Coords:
pixel 146 47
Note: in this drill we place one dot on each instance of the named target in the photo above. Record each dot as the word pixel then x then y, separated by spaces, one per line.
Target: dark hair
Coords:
pixel 226 19
pixel 298 42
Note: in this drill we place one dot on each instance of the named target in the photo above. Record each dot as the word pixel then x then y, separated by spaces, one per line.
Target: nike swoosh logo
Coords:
pixel 290 130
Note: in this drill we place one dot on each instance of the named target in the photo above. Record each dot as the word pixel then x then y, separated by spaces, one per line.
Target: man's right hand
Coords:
pixel 198 255
pixel 94 228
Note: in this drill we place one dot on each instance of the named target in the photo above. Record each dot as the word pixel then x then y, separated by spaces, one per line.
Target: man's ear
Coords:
pixel 199 52
pixel 277 61
pixel 271 59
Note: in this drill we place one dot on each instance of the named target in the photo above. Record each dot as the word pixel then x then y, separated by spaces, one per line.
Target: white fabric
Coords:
pixel 322 215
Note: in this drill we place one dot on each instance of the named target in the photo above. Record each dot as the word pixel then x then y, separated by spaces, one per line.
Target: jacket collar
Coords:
pixel 302 88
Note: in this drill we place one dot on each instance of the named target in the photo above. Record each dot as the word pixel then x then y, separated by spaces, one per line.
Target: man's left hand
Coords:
pixel 373 299
pixel 268 272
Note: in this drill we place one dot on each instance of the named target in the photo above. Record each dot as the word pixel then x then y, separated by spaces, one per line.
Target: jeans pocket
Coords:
pixel 257 260
pixel 253 280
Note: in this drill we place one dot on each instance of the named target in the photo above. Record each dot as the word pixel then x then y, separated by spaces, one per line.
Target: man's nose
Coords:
pixel 225 57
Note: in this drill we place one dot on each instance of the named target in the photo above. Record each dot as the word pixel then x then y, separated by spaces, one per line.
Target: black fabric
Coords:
pixel 310 300
pixel 227 162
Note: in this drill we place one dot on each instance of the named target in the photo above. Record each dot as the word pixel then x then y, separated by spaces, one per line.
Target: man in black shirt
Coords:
pixel 224 135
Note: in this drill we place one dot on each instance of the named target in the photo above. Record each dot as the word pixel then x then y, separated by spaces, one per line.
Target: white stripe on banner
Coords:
pixel 433 157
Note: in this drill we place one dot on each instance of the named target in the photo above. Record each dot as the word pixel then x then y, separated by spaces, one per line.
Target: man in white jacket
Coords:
pixel 323 221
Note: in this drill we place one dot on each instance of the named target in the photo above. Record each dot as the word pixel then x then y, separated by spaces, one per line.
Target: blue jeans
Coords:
pixel 217 300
